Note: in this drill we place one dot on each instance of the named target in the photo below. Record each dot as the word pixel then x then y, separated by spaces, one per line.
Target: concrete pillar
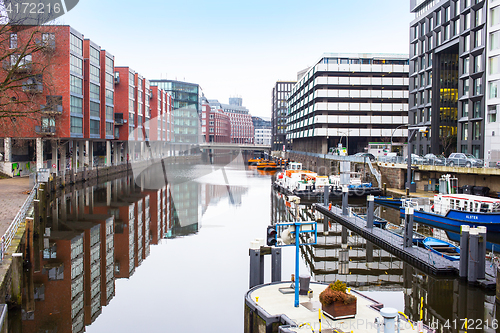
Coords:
pixel 81 202
pixel 54 168
pixel 345 200
pixel 142 157
pixel 17 278
pixel 7 147
pixel 73 161
pixel 254 278
pixel 343 235
pixel 369 251
pixel 64 208
pixel 408 239
pixel 108 194
pixel 389 315
pixel 81 155
pixel 473 255
pixel 108 153
pixel 464 250
pixel 86 161
pixel 369 210
pixel 39 153
pixel 481 269
pixel 326 195
pixel 275 264
pixel 91 155
pixel 62 164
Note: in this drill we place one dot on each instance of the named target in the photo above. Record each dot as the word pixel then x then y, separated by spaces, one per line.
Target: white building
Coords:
pixel 353 99
pixel 263 136
pixel 492 123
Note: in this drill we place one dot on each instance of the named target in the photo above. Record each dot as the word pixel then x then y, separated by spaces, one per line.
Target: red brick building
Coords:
pixel 89 107
pixel 215 124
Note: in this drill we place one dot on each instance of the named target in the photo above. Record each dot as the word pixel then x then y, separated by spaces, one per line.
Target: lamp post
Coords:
pixel 411 134
pixel 346 135
pixel 394 131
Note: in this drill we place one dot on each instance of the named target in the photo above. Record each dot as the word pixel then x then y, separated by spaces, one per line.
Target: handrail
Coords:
pixel 6 239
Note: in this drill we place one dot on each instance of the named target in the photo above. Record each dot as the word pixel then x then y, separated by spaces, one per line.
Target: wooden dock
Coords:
pixel 421 258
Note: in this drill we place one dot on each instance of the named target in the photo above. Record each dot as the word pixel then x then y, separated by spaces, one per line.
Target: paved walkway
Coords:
pixel 418 194
pixel 13 193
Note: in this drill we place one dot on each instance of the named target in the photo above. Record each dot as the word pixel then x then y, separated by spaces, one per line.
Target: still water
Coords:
pixel 135 254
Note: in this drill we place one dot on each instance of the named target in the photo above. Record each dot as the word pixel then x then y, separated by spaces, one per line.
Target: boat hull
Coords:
pixel 454 219
pixel 389 202
pixel 429 242
pixel 336 193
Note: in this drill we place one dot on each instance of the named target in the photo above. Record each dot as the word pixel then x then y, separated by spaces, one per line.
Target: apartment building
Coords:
pixel 351 99
pixel 279 114
pixel 242 130
pixel 77 107
pixel 215 124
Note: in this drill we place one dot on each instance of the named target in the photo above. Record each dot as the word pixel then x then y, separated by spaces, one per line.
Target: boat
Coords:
pixel 308 184
pixel 267 165
pixel 442 248
pixel 400 231
pixel 254 161
pixel 389 201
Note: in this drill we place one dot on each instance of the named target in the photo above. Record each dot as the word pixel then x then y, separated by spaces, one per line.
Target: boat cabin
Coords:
pixel 294 166
pixel 465 202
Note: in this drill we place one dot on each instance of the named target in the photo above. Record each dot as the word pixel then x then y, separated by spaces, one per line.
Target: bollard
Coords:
pixel 481 256
pixel 464 250
pixel 473 255
pixel 408 232
pixel 345 203
pixel 304 280
pixel 385 189
pixel 275 264
pixel 326 195
pixel 389 315
pixel 369 210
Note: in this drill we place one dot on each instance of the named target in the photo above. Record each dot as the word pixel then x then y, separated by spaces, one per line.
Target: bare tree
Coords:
pixel 448 139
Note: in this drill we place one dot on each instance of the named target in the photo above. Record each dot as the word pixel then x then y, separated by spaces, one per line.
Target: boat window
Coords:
pixel 484 208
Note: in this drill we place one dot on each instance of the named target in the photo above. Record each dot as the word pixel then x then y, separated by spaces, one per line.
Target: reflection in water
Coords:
pixel 348 257
pixel 101 233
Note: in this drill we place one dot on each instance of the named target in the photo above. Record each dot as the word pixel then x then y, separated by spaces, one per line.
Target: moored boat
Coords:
pixel 441 247
pixel 267 165
pixel 389 201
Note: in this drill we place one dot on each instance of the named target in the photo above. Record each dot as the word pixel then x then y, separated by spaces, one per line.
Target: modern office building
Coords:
pixel 262 131
pixel 187 99
pixel 351 99
pixel 279 113
pixel 448 75
pixel 242 130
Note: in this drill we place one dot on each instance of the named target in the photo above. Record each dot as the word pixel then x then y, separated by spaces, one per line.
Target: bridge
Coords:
pixel 234 146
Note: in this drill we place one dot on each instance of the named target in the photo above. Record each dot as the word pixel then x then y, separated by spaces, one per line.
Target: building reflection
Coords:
pixel 96 235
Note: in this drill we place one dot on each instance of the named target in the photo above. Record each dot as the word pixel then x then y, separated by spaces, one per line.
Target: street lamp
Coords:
pixel 411 186
pixel 394 131
pixel 346 135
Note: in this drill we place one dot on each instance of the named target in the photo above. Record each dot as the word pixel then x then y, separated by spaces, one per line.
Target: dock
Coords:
pixel 267 309
pixel 423 259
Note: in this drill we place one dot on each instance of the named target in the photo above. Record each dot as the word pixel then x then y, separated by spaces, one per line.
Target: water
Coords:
pixel 176 258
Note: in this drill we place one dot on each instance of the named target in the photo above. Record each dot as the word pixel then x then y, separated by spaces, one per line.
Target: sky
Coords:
pixel 238 48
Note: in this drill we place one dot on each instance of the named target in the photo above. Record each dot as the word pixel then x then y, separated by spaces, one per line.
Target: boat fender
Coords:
pixel 432 208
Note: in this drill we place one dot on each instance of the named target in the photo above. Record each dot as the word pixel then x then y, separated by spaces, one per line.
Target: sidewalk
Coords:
pixel 11 199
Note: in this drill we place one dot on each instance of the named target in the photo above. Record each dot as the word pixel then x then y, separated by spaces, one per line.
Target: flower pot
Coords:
pixel 339 309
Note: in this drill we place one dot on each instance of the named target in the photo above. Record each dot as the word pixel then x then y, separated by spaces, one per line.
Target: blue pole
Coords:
pixel 297 231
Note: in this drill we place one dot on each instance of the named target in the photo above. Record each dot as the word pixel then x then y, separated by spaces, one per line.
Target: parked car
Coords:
pixel 389 158
pixel 464 160
pixel 497 164
pixel 416 159
pixel 367 155
pixel 432 159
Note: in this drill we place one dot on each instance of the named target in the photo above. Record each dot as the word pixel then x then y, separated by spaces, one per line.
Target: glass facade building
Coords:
pixel 279 114
pixel 186 99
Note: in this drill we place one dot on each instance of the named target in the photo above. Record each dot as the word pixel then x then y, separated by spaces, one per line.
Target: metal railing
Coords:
pixel 6 239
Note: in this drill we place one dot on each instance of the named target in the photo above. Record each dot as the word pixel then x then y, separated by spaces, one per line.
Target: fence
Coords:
pixel 6 239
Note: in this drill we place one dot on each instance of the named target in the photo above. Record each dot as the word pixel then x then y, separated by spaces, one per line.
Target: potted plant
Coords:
pixel 336 302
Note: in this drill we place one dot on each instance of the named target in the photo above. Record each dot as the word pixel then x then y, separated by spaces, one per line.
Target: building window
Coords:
pixel 465 109
pixel 477 131
pixel 466 65
pixel 95 109
pixel 477 86
pixel 438 18
pixel 94 126
pixel 479 17
pixel 109 113
pixel 467 21
pixel 477 109
pixel 494 64
pixel 109 128
pixel 110 66
pixel 467 43
pixel 109 96
pixel 76 65
pixel 94 91
pixel 466 87
pixel 494 17
pixel 13 41
pixel 477 63
pixel 75 85
pixel 465 131
pixel 76 105
pixel 456 26
pixel 76 125
pixel 95 55
pixel 493 89
pixel 76 45
pixel 95 74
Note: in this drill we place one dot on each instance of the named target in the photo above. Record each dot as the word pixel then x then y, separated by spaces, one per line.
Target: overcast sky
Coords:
pixel 239 48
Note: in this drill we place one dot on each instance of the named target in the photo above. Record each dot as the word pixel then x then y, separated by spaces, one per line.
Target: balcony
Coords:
pixel 20 68
pixel 54 109
pixel 45 130
pixel 119 119
pixel 46 45
pixel 32 86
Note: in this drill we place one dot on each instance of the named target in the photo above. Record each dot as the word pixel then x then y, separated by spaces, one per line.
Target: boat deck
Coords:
pixel 421 258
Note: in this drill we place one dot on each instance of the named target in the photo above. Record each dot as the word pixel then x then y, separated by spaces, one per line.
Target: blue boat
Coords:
pixel 442 248
pixel 389 202
pixel 450 211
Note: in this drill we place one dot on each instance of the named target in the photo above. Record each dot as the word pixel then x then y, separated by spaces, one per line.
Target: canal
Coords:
pixel 140 254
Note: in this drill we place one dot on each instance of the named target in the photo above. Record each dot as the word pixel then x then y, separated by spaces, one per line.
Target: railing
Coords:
pixel 6 239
